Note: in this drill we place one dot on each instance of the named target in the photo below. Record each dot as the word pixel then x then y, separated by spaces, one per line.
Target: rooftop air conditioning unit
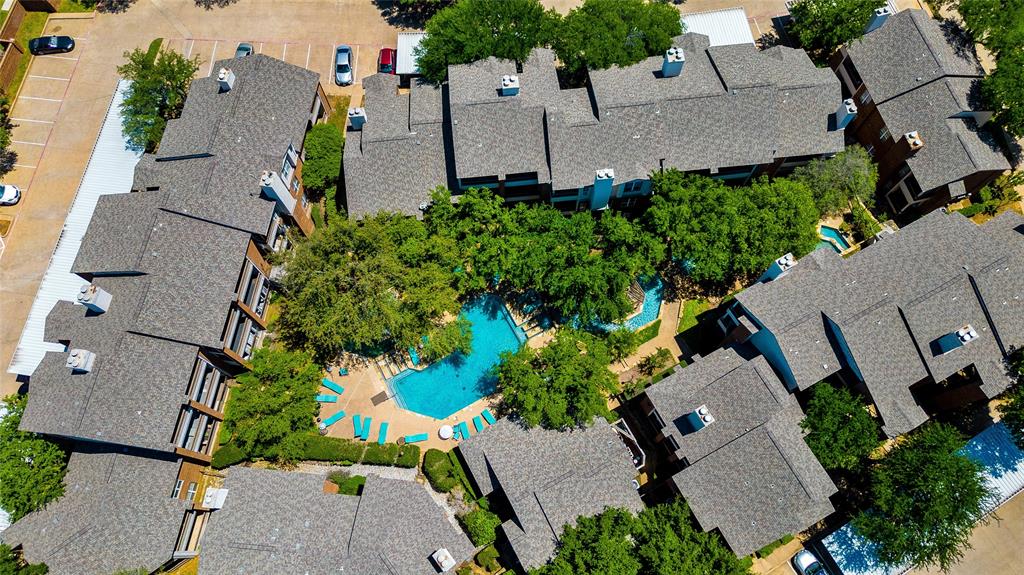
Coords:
pixel 966 334
pixel 509 85
pixel 214 498
pixel 702 418
pixel 672 63
pixel 914 141
pixel 443 559
pixel 80 361
pixel 94 297
pixel 225 79
pixel 356 118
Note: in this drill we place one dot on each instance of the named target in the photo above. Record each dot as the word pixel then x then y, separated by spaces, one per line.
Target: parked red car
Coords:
pixel 386 60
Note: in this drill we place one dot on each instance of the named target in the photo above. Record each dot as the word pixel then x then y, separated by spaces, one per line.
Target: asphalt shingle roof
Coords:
pixel 892 300
pixel 116 513
pixel 282 522
pixel 550 478
pixel 750 474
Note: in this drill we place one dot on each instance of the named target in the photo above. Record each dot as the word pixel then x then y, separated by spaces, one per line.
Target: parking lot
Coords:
pixel 318 57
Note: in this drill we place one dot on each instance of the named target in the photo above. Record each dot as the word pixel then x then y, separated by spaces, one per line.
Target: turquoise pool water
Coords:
pixel 653 295
pixel 458 380
pixel 833 234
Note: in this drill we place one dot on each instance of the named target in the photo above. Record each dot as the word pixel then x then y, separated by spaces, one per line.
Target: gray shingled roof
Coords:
pixel 394 162
pixel 892 300
pixel 750 473
pixel 116 513
pixel 922 75
pixel 550 478
pixel 282 522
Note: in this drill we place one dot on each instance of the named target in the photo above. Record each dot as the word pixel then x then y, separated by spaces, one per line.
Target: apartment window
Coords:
pixel 632 187
pixel 177 489
pixel 865 97
pixel 288 165
pixel 256 289
pixel 242 334
pixel 870 150
pixel 192 487
pixel 207 384
pixel 884 134
pixel 851 72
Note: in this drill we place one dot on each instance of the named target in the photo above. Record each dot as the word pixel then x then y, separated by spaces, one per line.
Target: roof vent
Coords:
pixel 673 62
pixel 443 559
pixel 845 114
pixel 510 85
pixel 701 418
pixel 226 79
pixel 80 361
pixel 778 268
pixel 914 141
pixel 878 18
pixel 94 297
pixel 356 118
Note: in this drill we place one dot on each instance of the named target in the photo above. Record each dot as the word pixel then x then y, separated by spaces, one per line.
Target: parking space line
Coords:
pixel 24 166
pixel 261 47
pixel 32 121
pixel 355 66
pixel 213 58
pixel 49 78
pixel 38 98
pixel 190 46
pixel 27 143
pixel 309 49
pixel 57 57
pixel 284 55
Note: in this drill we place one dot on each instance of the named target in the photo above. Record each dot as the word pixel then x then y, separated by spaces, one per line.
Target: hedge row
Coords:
pixel 480 525
pixel 333 450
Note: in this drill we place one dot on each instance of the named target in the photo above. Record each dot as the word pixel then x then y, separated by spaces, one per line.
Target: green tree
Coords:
pixel 322 166
pixel 622 343
pixel 456 336
pixel 836 182
pixel 661 540
pixel 863 224
pixel 655 361
pixel 722 233
pixel 926 500
pixel 561 385
pixel 11 564
pixel 272 410
pixel 1003 92
pixel 380 283
pixel 997 24
pixel 8 157
pixel 1012 409
pixel 32 468
pixel 480 525
pixel 841 433
pixel 157 93
pixel 473 30
pixel 604 33
pixel 822 26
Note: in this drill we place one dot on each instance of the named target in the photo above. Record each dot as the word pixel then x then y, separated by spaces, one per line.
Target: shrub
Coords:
pixel 771 547
pixel 648 333
pixel 347 484
pixel 464 570
pixel 480 525
pixel 380 454
pixel 333 449
pixel 408 456
pixel 864 226
pixel 438 468
pixel 488 559
pixel 972 210
pixel 227 455
pixel 322 166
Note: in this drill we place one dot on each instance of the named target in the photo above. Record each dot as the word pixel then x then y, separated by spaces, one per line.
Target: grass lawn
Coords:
pixel 339 115
pixel 691 309
pixel 76 6
pixel 31 27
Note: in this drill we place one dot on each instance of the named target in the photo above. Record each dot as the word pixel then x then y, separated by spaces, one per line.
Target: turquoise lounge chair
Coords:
pixel 364 434
pixel 479 425
pixel 416 438
pixel 456 432
pixel 334 418
pixel 326 398
pixel 464 430
pixel 488 417
pixel 415 357
pixel 332 386
pixel 382 436
pixel 357 425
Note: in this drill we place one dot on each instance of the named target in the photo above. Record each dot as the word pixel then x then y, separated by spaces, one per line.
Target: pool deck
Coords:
pixel 362 384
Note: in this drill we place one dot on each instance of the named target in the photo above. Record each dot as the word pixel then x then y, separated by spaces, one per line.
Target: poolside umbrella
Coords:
pixel 445 432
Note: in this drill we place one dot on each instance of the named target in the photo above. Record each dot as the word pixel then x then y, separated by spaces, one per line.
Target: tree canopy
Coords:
pixel 157 93
pixel 322 166
pixel 824 25
pixel 32 468
pixel 1003 91
pixel 561 385
pixel 722 233
pixel 841 433
pixel 997 24
pixel 1012 410
pixel 926 500
pixel 835 182
pixel 472 30
pixel 8 157
pixel 661 540
pixel 11 564
pixel 604 33
pixel 384 281
pixel 272 409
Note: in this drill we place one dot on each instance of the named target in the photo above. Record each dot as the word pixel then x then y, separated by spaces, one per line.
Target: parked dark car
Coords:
pixel 386 60
pixel 51 45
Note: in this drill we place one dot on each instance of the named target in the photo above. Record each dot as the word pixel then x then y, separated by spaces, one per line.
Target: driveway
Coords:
pixel 998 547
pixel 63 102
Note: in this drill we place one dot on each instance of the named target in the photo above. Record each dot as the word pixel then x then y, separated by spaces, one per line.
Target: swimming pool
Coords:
pixel 458 380
pixel 653 295
pixel 840 244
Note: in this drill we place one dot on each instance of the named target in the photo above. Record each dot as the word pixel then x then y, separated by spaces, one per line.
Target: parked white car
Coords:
pixel 9 194
pixel 806 563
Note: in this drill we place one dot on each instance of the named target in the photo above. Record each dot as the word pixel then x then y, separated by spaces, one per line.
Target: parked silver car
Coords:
pixel 343 65
pixel 243 49
pixel 806 563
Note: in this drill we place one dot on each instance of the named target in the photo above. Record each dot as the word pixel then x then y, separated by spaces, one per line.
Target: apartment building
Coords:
pixel 175 288
pixel 916 83
pixel 731 112
pixel 921 321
